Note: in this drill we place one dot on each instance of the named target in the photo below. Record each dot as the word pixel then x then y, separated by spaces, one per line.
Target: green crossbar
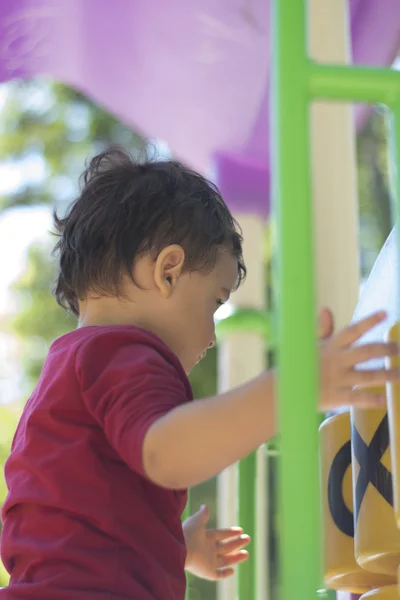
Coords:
pixel 297 81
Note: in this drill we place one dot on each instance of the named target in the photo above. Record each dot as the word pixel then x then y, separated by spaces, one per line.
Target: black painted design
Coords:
pixel 372 471
pixel 341 515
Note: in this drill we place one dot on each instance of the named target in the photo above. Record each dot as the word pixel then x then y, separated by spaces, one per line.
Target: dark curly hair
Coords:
pixel 127 208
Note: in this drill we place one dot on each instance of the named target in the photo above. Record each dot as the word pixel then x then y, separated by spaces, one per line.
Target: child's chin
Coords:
pixel 200 358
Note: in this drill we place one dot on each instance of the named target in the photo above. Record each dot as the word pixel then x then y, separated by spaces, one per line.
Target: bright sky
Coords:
pixel 18 229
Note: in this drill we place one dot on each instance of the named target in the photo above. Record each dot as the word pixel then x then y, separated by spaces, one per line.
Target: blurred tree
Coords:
pixel 8 421
pixel 373 185
pixel 39 320
pixel 48 130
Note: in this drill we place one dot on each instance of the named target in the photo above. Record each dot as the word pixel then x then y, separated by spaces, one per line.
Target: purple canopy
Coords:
pixel 194 73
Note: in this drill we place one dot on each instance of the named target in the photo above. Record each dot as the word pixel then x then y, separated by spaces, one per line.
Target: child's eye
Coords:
pixel 220 303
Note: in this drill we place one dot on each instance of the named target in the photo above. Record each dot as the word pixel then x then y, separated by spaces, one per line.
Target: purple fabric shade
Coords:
pixel 193 74
pixel 245 182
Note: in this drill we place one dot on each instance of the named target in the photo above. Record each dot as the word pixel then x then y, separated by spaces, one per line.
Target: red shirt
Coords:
pixel 81 519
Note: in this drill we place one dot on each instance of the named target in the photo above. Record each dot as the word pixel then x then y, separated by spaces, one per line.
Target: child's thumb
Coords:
pixel 204 514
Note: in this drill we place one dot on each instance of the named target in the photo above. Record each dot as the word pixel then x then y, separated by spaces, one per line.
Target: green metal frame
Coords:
pixel 297 83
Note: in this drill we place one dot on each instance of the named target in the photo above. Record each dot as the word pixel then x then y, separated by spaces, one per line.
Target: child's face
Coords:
pixel 197 298
pixel 183 303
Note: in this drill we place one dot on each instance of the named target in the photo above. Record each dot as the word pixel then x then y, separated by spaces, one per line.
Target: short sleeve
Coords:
pixel 127 386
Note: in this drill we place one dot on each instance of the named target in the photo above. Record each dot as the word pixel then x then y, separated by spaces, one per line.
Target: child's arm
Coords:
pixel 198 440
pixel 194 442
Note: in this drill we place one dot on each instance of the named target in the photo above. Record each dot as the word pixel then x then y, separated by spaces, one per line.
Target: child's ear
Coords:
pixel 168 268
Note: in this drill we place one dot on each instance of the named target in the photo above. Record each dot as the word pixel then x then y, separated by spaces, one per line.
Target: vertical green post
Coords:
pixel 394 163
pixel 297 385
pixel 247 520
pixel 185 515
pixel 394 167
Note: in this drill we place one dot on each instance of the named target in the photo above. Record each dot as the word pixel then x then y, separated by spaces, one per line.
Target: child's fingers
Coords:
pixel 372 377
pixel 351 334
pixel 233 545
pixel 366 399
pixel 231 560
pixel 224 534
pixel 366 352
pixel 359 397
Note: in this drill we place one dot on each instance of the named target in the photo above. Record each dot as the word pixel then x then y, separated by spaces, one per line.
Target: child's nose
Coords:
pixel 213 342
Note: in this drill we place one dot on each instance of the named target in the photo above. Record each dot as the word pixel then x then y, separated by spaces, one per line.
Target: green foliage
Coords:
pixel 8 421
pixel 204 384
pixel 40 320
pixel 58 128
pixel 373 185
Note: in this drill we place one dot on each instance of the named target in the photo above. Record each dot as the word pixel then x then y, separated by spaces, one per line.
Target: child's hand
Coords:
pixel 211 553
pixel 341 384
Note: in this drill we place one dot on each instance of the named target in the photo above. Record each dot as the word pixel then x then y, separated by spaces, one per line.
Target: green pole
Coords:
pixel 394 165
pixel 247 519
pixel 354 84
pixel 185 515
pixel 297 385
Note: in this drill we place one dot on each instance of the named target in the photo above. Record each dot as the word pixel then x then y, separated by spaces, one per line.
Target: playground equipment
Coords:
pixel 362 540
pixel 377 539
pixel 298 81
pixel 341 571
pixel 374 462
pixel 394 421
pixel 204 88
pixel 391 592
